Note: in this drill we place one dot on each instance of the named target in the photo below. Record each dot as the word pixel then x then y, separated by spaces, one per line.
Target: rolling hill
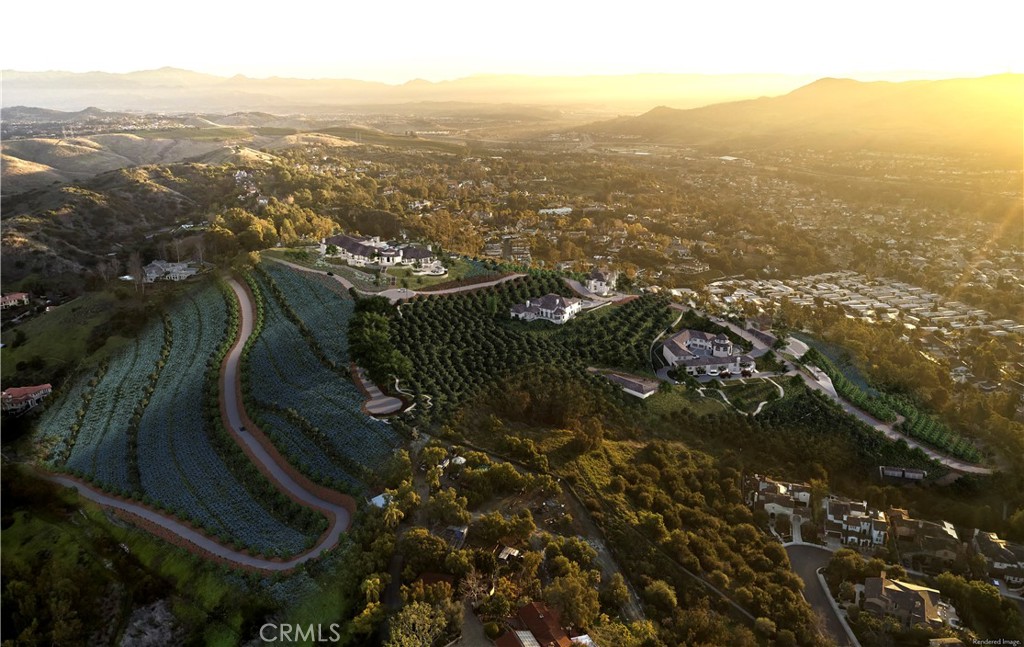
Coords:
pixel 981 115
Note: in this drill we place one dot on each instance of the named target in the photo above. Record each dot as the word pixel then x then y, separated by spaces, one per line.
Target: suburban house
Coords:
pixel 13 300
pixel 924 545
pixel 640 387
pixel 1004 559
pixel 19 399
pixel 535 625
pixel 702 353
pixel 160 270
pixel 777 497
pixel 372 251
pixel 601 281
pixel 911 603
pixel 550 307
pixel 856 524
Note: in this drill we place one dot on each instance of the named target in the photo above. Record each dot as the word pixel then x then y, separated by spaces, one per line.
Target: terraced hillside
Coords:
pixel 297 386
pixel 147 427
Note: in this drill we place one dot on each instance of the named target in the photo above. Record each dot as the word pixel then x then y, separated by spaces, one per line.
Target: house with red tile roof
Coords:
pixel 19 399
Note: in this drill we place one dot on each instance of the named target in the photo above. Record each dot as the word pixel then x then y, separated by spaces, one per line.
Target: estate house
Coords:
pixel 708 353
pixel 550 307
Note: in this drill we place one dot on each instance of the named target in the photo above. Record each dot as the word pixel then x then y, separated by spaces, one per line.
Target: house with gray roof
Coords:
pixel 550 307
pixel 702 353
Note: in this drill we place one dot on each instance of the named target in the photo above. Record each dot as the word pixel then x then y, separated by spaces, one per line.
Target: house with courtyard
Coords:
pixel 777 497
pixel 550 307
pixel 160 270
pixel 20 399
pixel 705 353
pixel 924 545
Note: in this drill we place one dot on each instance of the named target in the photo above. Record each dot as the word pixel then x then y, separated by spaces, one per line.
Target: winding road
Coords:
pixel 260 450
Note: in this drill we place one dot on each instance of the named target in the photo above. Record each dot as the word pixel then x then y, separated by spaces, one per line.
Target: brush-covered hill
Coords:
pixel 979 115
pixel 37 162
pixel 68 228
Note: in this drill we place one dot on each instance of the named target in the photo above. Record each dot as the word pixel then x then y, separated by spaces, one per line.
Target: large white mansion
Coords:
pixel 550 307
pixel 366 251
pixel 703 352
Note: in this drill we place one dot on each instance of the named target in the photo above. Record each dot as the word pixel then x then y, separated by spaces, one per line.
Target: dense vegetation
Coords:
pixel 885 407
pixel 450 347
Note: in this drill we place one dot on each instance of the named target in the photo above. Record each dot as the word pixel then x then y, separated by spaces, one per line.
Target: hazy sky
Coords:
pixel 395 41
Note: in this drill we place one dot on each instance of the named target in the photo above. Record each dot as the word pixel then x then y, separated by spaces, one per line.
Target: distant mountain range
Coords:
pixel 176 90
pixel 980 115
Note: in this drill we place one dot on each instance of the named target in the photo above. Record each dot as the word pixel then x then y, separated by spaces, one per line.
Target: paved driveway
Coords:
pixel 806 561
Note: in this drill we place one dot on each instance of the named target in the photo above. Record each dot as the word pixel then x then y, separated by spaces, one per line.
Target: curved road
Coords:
pixel 805 560
pixel 233 408
pixel 825 386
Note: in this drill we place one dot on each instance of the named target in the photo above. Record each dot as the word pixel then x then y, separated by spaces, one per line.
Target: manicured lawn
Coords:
pixel 458 269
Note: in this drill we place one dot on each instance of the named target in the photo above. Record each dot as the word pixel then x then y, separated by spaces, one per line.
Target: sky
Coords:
pixel 396 41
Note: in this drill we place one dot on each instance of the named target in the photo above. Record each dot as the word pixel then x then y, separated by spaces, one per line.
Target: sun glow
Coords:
pixel 454 38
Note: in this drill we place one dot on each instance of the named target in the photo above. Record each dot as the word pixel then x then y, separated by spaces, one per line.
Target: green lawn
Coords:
pixel 60 339
pixel 458 269
pixel 746 395
pixel 679 398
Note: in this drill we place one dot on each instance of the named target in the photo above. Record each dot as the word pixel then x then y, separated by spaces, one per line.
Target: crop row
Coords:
pixel 323 312
pixel 181 469
pixel 282 374
pixel 928 428
pixel 100 452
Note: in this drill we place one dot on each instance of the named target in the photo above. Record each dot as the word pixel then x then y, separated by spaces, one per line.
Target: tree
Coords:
pixel 660 595
pixel 135 269
pixel 615 594
pixel 417 625
pixel 575 596
pixel 847 592
pixel 393 515
pixel 447 507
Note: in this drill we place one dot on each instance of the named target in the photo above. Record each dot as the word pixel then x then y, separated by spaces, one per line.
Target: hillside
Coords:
pixel 24 175
pixel 68 228
pixel 37 162
pixel 958 115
